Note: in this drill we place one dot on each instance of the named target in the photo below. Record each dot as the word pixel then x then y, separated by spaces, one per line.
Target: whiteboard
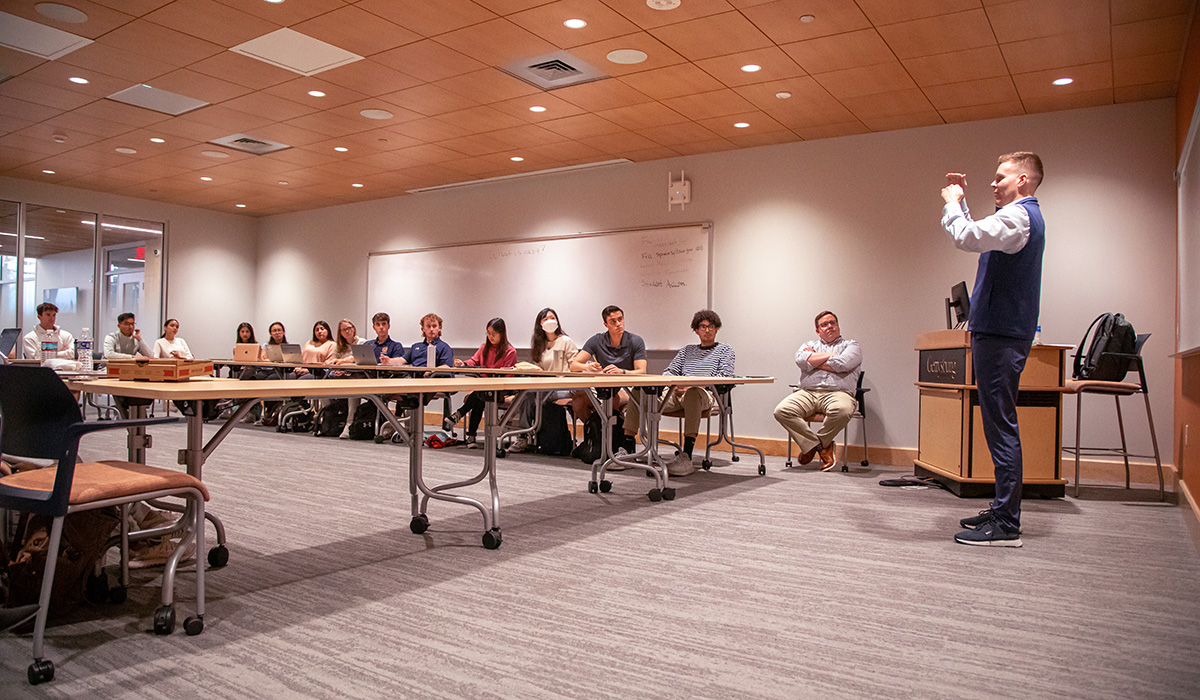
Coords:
pixel 1188 332
pixel 659 277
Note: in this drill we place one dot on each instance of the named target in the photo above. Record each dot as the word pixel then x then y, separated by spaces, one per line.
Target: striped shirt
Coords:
pixel 696 361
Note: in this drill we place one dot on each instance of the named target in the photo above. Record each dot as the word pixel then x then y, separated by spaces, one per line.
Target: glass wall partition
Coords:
pixel 131 265
pixel 60 252
pixel 8 264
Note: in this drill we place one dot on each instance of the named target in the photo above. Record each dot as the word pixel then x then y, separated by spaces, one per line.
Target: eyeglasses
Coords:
pixel 828 324
pixel 706 327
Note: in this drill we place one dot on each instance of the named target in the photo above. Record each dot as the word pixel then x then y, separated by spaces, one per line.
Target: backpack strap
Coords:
pixel 1081 350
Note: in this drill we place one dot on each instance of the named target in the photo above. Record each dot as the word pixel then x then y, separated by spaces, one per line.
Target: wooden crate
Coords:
pixel 165 370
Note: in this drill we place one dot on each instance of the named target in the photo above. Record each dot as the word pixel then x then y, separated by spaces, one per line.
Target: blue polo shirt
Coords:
pixel 388 347
pixel 417 351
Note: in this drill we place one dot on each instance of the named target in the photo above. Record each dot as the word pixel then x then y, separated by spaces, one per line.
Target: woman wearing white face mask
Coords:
pixel 551 349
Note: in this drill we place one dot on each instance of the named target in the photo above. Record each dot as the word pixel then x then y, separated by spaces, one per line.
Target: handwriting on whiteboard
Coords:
pixel 517 252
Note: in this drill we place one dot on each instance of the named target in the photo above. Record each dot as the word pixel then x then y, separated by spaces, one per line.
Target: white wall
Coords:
pixel 849 224
pixel 212 261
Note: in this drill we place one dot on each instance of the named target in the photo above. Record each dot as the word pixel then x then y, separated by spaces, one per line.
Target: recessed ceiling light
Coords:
pixel 60 13
pixel 357 184
pixel 275 2
pixel 537 108
pixel 807 18
pixel 376 114
pixel 742 125
pixel 48 172
pixel 516 159
pixel 79 81
pixel 283 182
pixel 240 206
pixel 1064 81
pixel 663 4
pixel 214 154
pixel 751 68
pixel 574 24
pixel 783 95
pixel 627 56
pixel 155 139
pixel 340 149
pixel 316 93
pixel 126 150
pixel 206 178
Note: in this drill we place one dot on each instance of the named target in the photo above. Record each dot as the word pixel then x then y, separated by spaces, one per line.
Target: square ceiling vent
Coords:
pixel 249 144
pixel 299 53
pixel 158 100
pixel 553 70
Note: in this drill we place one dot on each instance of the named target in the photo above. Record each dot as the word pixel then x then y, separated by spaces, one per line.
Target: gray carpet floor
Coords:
pixel 796 584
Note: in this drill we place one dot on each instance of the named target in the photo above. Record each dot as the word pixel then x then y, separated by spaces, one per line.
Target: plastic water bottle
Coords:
pixel 431 355
pixel 49 349
pixel 83 350
pixel 1037 336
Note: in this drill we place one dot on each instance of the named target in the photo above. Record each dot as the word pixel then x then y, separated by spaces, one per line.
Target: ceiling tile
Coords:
pixel 1075 100
pixel 475 145
pixel 42 94
pixel 657 53
pixel 526 136
pixel 958 66
pixel 1124 11
pixel 903 121
pixel 100 19
pixel 1028 19
pixel 11 107
pixel 269 106
pixel 243 70
pixel 428 154
pixel 369 78
pixel 840 51
pixel 357 31
pixel 618 142
pixel 1056 51
pixel 199 86
pixel 888 104
pixel 867 80
pixel 717 103
pixel 353 111
pixel 882 12
pixel 809 104
pixel 977 112
pixel 297 91
pixel 507 7
pixel 116 62
pixel 647 154
pixel 675 81
pixel 286 133
pixel 58 74
pixel 781 20
pixel 211 21
pixel 566 151
pixel 712 36
pixel 285 14
pixel 1150 36
pixel 428 60
pixel 1149 91
pixel 972 93
pixel 431 129
pixel 487 86
pixel 943 34
pixel 601 94
pixel 1088 78
pixel 759 123
pixel 699 147
pixel 429 18
pixel 13 62
pixel 581 126
pixel 123 113
pixel 496 42
pixel 674 134
pixel 774 64
pixel 638 12
pixel 480 119
pixel 769 138
pixel 555 108
pixel 1142 70
pixel 546 21
pixel 429 100
pixel 147 38
pixel 329 124
pixel 642 116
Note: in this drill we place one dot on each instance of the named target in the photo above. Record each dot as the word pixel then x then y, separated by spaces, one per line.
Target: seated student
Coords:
pixel 386 349
pixel 278 336
pixel 45 333
pixel 347 336
pixel 615 352
pixel 245 334
pixel 318 350
pixel 170 344
pixel 707 359
pixel 496 351
pixel 551 349
pixel 443 355
pixel 125 342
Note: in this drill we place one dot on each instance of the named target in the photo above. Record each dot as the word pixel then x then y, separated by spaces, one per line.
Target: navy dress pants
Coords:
pixel 998 362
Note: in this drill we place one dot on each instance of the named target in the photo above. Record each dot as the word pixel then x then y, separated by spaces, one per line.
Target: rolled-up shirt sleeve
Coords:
pixel 802 356
pixel 1006 231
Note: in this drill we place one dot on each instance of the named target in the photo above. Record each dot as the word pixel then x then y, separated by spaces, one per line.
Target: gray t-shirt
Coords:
pixel 632 348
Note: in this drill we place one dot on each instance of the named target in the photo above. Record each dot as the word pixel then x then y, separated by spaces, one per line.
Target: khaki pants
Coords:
pixel 695 403
pixel 792 413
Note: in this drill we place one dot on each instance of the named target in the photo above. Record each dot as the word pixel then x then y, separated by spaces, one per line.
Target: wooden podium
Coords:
pixel 951 446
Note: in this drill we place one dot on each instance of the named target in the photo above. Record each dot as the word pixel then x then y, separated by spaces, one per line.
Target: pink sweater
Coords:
pixel 508 359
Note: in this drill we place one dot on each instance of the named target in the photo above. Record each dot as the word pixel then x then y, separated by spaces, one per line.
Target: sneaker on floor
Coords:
pixel 386 432
pixel 450 421
pixel 155 552
pixel 345 434
pixel 990 534
pixel 519 445
pixel 469 440
pixel 617 466
pixel 681 465
pixel 973 522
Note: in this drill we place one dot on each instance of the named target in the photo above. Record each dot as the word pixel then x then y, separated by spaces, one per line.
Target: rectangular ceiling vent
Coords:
pixel 553 70
pixel 248 144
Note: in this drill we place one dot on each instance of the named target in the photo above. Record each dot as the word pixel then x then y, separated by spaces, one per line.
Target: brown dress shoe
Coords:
pixel 828 456
pixel 808 456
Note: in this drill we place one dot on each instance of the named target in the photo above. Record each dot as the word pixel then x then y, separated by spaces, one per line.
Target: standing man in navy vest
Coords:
pixel 1004 316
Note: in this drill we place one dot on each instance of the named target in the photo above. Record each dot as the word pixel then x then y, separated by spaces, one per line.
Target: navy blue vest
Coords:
pixel 1008 286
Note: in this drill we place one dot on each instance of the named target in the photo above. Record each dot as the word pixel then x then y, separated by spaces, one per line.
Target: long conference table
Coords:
pixel 601 387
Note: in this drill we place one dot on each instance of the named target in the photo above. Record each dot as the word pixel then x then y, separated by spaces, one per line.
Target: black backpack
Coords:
pixel 1113 335
pixel 332 418
pixel 553 436
pixel 588 451
pixel 363 426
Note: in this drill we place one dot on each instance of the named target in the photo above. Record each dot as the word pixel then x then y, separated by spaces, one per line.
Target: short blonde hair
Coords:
pixel 1027 161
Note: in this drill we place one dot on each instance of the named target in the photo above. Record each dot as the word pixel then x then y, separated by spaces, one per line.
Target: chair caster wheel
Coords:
pixel 668 494
pixel 787 464
pixel 845 468
pixel 164 620
pixel 194 625
pixel 605 486
pixel 593 487
pixel 762 470
pixel 706 464
pixel 40 671
pixel 865 463
pixel 218 556
pixel 117 595
pixel 492 538
pixel 654 495
pixel 501 453
pixel 419 524
pixel 96 588
pixel 735 458
pixel 379 439
pixel 650 473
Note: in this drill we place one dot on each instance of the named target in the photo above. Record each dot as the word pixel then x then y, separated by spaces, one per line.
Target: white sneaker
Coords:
pixel 386 432
pixel 470 441
pixel 151 553
pixel 345 433
pixel 519 445
pixel 681 465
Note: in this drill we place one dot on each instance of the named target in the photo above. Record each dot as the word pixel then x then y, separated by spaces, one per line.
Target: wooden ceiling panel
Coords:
pixel 1042 53
pixel 546 21
pixel 658 54
pixel 386 161
pixel 691 149
pixel 1040 85
pixel 1075 100
pixel 13 62
pixel 429 100
pixel 89 124
pixel 619 142
pixel 100 19
pixel 297 90
pixel 270 106
pixel 330 124
pixel 345 27
pixel 972 93
pixel 428 61
pixel 1149 91
pixel 487 86
pixel 567 151
pixel 27 142
pixel 830 131
pixel 21 88
pixel 638 12
pixel 118 63
pixel 675 81
pixel 903 121
pixel 554 107
pixel 477 120
pixel 1143 70
pixel 526 136
pixel 302 157
pixel 211 21
pixel 428 154
pixel 809 103
pixel 850 50
pixel 769 138
pixel 26 110
pixel 475 145
pixel 11 124
pixel 602 94
pixel 200 86
pixel 475 167
pixel 934 35
pixel 644 154
pixel 1029 19
pixel 243 70
pixel 759 123
pixel 370 78
pixel 978 112
pixel 958 66
pixel 508 7
pixel 286 14
pixel 231 121
pixel 58 74
pixel 882 12
pixel 675 134
pixel 353 111
pixel 710 36
pixel 1124 11
pixel 781 20
pixel 147 38
pixel 866 80
pixel 430 129
pixel 642 116
pixel 496 42
pixel 773 64
pixel 1150 36
pixel 581 126
pixel 429 18
pixel 121 113
pixel 717 103
pixel 285 133
pixel 888 104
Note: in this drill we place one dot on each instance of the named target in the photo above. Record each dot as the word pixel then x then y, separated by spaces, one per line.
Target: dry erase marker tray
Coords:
pixel 166 370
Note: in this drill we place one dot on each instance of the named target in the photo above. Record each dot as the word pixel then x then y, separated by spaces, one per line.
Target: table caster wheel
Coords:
pixel 117 595
pixel 501 453
pixel 218 556
pixel 706 464
pixel 864 463
pixel 762 470
pixel 668 494
pixel 787 464
pixel 845 468
pixel 96 588
pixel 654 495
pixel 492 538
pixel 605 486
pixel 593 487
pixel 419 524
pixel 40 671
pixel 194 625
pixel 735 458
pixel 164 620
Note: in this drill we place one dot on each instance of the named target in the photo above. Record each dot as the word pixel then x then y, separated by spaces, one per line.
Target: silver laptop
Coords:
pixel 8 340
pixel 291 353
pixel 364 354
pixel 274 352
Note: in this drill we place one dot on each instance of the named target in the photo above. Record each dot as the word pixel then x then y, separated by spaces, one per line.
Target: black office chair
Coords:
pixel 1079 387
pixel 859 413
pixel 41 420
